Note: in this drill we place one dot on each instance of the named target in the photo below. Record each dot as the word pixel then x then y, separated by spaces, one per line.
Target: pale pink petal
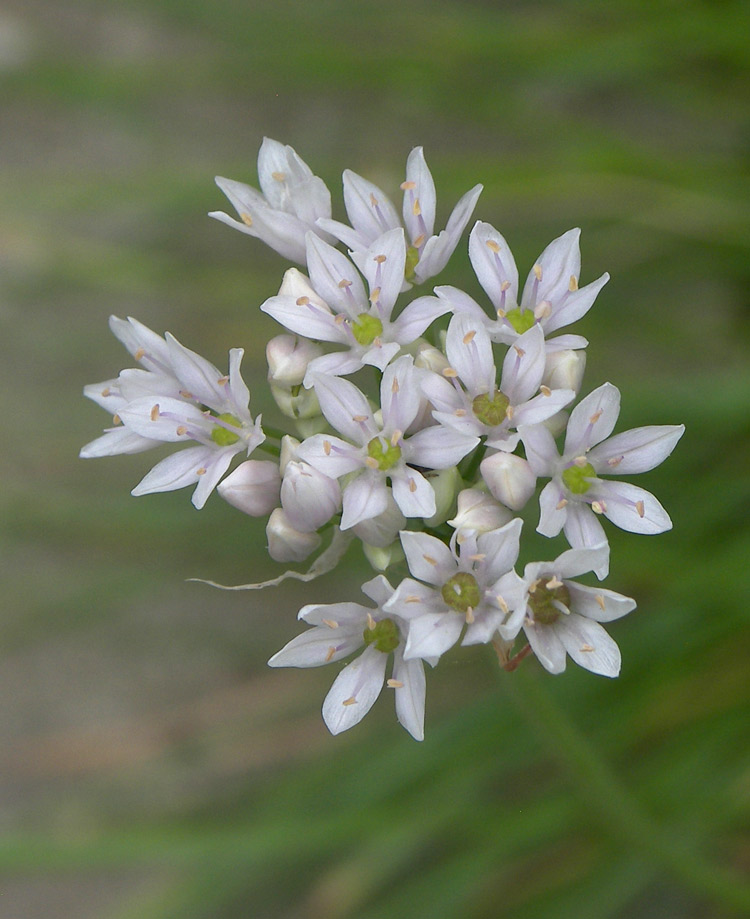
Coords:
pixel 365 497
pixel 354 691
pixel 588 645
pixel 429 559
pixel 592 420
pixel 638 450
pixel 410 696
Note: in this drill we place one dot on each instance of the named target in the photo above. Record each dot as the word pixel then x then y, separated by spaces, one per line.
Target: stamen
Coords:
pixel 430 560
pixel 460 412
pixel 139 354
pixel 553 583
pixel 370 622
pixel 412 486
pixel 331 623
pixel 331 652
pixel 340 319
pixel 327 447
pixel 416 208
pixel 412 598
pixel 504 286
pixel 501 314
pixel 106 391
pixel 581 461
pixel 371 462
pixel 155 413
pixel 494 247
pixel 469 336
pixel 374 295
pixel 343 283
pixel 408 186
pixel 185 394
pixel 615 461
pixel 116 420
pixel 561 504
pixel 479 557
pixel 469 615
pixel 279 176
pixel 351 701
pixel 394 386
pixel 587 648
pixel 519 351
pixel 373 200
pixel 543 309
pixel 600 600
pixel 640 508
pixel 181 430
pixel 573 285
pixel 379 259
pixel 419 241
pixel 538 272
pixel 545 390
pixel 222 381
pixel 246 219
pixel 359 418
pixel 450 373
pixel 396 437
pixel 394 684
pixel 303 301
pixel 509 412
pixel 595 417
pixel 502 604
pixel 201 471
pixel 598 507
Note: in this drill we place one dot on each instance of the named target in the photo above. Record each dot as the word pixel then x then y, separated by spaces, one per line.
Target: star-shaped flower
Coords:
pixel 341 629
pixel 577 494
pixel 372 213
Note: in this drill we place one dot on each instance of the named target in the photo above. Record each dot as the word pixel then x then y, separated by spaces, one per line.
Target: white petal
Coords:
pixel 308 319
pixel 139 339
pixel 415 319
pixel 383 266
pixel 197 375
pixel 597 603
pixel 337 364
pixel 546 645
pixel 592 419
pixel 460 302
pixel 494 265
pixel 438 249
pixel 341 403
pixel 553 515
pixel 419 203
pixel 369 209
pixel 164 419
pixel 574 562
pixel 469 350
pixel 500 548
pixel 400 397
pixel 588 644
pixel 438 447
pixel 318 646
pixel 432 635
pixel 633 509
pixel 176 471
pixel 542 407
pixel 115 441
pixel 330 455
pixel 412 599
pixel 429 558
pixel 413 493
pixel 364 498
pixel 638 450
pixel 541 451
pixel 584 531
pixel 378 590
pixel 560 261
pixel 334 278
pixel 523 366
pixel 574 305
pixel 410 697
pixel 214 469
pixel 354 691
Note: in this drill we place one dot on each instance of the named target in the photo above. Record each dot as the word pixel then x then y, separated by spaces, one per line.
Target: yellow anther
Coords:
pixel 331 623
pixel 553 583
pixel 106 391
pixel 416 208
pixel 429 559
pixel 279 176
pixel 493 246
pixel 331 652
pixel 379 259
pixel 598 507
pixel 600 600
pixel 615 461
pixel 185 394
pixel 246 219
pixel 370 622
pixel 640 508
pixel 359 418
pixel 394 684
pixel 469 337
pixel 155 413
pixel 543 309
pixel 394 386
pixel 595 417
pixel 573 285
pixel 502 604
pixel 351 701
pixel 139 354
pixel 509 412
pixel 373 200
pixel 501 314
pixel 201 471
pixel 222 381
pixel 460 412
pixel 581 461
pixel 116 420
pixel 587 648
pixel 419 241
pixel 371 462
pixel 538 272
pixel 407 186
pixel 450 373
pixel 303 301
pixel 327 447
pixel 374 295
pixel 469 615
pixel 519 351
pixel 545 390
pixel 479 557
pixel 340 319
pixel 396 437
pixel 412 598
pixel 344 283
pixel 561 504
pixel 504 286
pixel 181 430
pixel 412 486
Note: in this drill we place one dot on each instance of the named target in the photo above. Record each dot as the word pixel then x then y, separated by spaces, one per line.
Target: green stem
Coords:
pixel 601 790
pixel 270 431
pixel 474 461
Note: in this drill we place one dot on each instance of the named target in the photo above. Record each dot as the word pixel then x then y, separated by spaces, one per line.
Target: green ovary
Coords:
pixel 412 257
pixel 521 320
pixel 385 454
pixel 461 592
pixel 367 328
pixel 222 436
pixel 542 602
pixel 384 636
pixel 491 410
pixel 575 478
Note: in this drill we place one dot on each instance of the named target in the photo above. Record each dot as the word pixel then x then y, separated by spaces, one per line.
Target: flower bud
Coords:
pixel 253 487
pixel 430 358
pixel 382 557
pixel 509 479
pixel 446 483
pixel 288 357
pixel 296 402
pixel 285 544
pixel 382 530
pixel 289 446
pixel 479 512
pixel 564 370
pixel 309 497
pixel 296 284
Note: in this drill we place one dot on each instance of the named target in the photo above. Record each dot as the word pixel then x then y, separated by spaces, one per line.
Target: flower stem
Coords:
pixel 620 813
pixel 474 460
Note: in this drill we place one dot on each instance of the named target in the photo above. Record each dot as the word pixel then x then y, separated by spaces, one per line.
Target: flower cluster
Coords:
pixel 430 469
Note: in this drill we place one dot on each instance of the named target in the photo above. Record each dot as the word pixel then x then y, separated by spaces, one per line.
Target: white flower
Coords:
pixel 481 407
pixel 340 629
pixel 476 588
pixel 333 306
pixel 562 617
pixel 253 487
pixel 551 297
pixel 290 202
pixel 285 542
pixel 181 397
pixel 309 497
pixel 576 493
pixel 379 451
pixel 371 214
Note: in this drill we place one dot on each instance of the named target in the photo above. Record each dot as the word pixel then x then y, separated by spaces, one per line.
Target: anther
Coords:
pixel 469 615
pixel 370 622
pixel 344 283
pixel 373 200
pixel 553 583
pixel 545 390
pixel 181 430
pixel 351 701
pixel 279 176
pixel 412 598
pixel 331 623
pixel 598 507
pixel 509 412
pixel 139 354
pixel 614 461
pixel 561 504
pixel 493 246
pixel 581 461
pixel 640 508
pixel 501 314
pixel 573 285
pixel 359 418
pixel 412 486
pixel 303 301
pixel 595 417
pixel 502 604
pixel 450 373
pixel 504 286
pixel 419 241
pixel 379 259
pixel 538 272
pixel 106 391
pixel 429 559
pixel 185 394
pixel 416 208
pixel 460 412
pixel 469 337
pixel 600 600
pixel 116 420
pixel 327 447
pixel 222 381
pixel 479 557
pixel 155 413
pixel 407 186
pixel 331 652
pixel 543 309
pixel 340 319
pixel 519 351
pixel 394 684
pixel 246 219
pixel 587 648
pixel 201 471
pixel 394 386
pixel 396 437
pixel 374 295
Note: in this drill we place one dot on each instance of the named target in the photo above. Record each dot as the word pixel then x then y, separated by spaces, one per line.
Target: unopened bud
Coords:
pixel 564 370
pixel 296 402
pixel 479 512
pixel 446 483
pixel 509 479
pixel 382 557
pixel 296 284
pixel 253 487
pixel 288 357
pixel 430 358
pixel 289 446
pixel 309 497
pixel 285 543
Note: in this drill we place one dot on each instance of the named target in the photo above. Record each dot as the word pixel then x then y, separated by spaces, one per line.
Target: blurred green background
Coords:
pixel 151 765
